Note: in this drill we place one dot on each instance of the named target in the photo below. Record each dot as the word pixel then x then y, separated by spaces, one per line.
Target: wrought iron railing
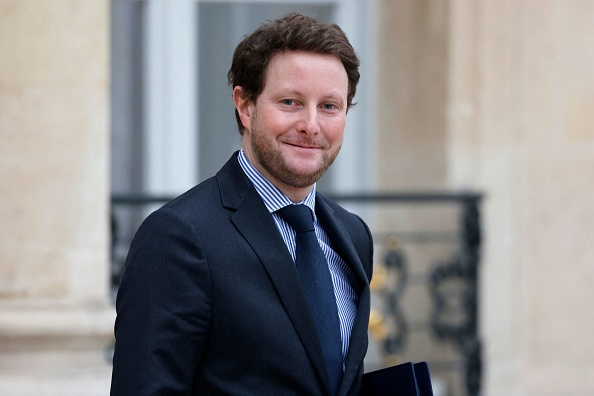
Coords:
pixel 425 286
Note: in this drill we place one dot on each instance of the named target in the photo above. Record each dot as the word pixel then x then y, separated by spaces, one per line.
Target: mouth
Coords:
pixel 303 146
pixel 306 145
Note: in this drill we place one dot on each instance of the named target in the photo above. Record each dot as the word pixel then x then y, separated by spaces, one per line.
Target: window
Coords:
pixel 172 113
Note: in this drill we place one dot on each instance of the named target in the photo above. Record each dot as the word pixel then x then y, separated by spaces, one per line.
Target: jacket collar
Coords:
pixel 342 243
pixel 255 224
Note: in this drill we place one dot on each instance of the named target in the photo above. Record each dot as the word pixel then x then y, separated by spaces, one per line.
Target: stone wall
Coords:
pixel 519 108
pixel 55 311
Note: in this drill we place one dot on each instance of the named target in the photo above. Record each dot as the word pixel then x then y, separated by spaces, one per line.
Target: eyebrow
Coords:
pixel 296 92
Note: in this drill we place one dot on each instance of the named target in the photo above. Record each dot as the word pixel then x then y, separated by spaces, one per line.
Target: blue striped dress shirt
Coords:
pixel 342 275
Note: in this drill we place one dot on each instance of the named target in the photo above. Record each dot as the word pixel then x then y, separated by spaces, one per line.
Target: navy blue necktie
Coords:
pixel 319 291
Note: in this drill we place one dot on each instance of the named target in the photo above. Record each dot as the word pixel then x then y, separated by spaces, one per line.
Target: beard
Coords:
pixel 268 153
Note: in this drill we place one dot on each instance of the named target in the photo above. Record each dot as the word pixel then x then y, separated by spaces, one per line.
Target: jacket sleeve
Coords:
pixel 163 309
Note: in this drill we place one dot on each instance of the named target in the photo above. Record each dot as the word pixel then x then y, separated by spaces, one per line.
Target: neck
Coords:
pixel 295 194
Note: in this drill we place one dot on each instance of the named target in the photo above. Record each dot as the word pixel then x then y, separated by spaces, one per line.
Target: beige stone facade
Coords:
pixel 495 96
pixel 498 96
pixel 55 314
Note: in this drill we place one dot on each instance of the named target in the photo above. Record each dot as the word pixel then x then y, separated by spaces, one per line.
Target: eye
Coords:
pixel 330 107
pixel 287 102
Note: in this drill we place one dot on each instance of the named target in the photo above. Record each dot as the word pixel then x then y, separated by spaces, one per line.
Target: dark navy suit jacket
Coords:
pixel 210 301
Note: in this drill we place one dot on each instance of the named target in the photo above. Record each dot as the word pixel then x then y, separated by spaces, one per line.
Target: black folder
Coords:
pixel 406 379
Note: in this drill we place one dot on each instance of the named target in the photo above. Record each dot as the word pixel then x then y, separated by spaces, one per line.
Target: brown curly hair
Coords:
pixel 293 32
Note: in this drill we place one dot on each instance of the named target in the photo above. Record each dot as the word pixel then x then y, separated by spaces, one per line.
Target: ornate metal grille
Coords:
pixel 425 286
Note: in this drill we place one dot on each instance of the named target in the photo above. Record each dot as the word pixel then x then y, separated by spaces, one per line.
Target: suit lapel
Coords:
pixel 255 224
pixel 342 243
pixel 358 343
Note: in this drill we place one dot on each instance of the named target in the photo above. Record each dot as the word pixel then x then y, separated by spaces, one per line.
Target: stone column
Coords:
pixel 55 312
pixel 521 129
pixel 412 87
pixel 514 82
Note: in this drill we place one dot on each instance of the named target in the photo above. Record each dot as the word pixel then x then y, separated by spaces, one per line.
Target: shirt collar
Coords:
pixel 273 198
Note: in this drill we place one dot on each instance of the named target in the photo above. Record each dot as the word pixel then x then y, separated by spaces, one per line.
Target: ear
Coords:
pixel 243 106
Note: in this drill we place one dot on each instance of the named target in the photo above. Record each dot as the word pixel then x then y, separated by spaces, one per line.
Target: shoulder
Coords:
pixel 203 194
pixel 350 220
pixel 180 222
pixel 356 228
pixel 210 198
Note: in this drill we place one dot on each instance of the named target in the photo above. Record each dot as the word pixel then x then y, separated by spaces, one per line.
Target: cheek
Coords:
pixel 335 130
pixel 274 124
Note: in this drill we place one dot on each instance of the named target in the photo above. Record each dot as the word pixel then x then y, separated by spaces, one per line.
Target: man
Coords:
pixel 220 294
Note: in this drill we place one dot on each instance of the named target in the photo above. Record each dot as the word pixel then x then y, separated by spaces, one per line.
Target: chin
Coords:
pixel 305 167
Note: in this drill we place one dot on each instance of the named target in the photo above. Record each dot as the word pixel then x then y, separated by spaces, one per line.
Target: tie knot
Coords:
pixel 298 216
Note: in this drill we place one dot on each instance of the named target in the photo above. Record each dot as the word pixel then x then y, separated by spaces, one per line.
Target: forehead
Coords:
pixel 298 67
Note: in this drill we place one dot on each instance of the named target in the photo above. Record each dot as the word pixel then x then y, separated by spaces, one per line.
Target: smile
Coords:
pixel 305 145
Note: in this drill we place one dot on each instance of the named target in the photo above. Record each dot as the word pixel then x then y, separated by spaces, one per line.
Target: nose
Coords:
pixel 309 122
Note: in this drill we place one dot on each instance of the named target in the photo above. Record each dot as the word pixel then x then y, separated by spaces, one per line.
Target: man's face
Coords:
pixel 294 130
